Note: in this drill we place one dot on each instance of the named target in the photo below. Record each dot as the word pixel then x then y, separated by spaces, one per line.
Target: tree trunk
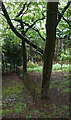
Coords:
pixel 57 51
pixel 49 47
pixel 24 56
pixel 24 49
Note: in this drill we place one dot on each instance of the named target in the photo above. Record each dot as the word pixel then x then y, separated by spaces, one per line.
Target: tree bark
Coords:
pixel 24 49
pixel 52 8
pixel 24 56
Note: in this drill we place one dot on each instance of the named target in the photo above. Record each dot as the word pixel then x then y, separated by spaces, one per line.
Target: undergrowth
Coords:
pixel 56 67
pixel 14 93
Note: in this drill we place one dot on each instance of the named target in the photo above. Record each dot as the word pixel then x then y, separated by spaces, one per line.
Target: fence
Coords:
pixel 31 84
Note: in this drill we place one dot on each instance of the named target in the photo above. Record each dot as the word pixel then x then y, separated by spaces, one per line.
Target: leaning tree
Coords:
pixel 22 28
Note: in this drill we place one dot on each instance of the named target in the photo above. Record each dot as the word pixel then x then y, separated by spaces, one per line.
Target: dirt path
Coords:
pixel 18 103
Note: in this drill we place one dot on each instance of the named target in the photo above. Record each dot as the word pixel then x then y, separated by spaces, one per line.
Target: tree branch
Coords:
pixel 16 32
pixel 21 11
pixel 39 33
pixel 64 19
pixel 67 21
pixel 36 31
pixel 1 13
pixel 62 13
pixel 26 9
pixel 30 26
pixel 38 53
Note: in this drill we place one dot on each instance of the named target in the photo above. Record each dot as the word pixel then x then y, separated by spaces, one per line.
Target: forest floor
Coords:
pixel 17 101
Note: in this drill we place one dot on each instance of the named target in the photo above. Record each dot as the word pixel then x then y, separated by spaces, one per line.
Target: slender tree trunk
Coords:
pixel 3 66
pixel 57 51
pixel 24 56
pixel 52 8
pixel 24 50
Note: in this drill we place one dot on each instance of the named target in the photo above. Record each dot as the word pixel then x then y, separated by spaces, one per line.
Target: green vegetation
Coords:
pixel 65 67
pixel 12 45
pixel 64 87
pixel 35 69
pixel 5 112
pixel 59 111
pixel 57 67
pixel 13 91
pixel 11 55
pixel 23 38
pixel 32 65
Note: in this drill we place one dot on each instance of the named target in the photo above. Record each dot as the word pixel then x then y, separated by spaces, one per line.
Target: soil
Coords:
pixel 56 107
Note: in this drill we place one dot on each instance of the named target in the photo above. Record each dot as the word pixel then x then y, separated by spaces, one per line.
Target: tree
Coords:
pixel 23 32
pixel 11 55
pixel 51 24
pixel 49 46
pixel 50 41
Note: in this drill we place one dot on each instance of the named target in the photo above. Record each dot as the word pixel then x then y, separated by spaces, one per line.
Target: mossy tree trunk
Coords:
pixel 52 8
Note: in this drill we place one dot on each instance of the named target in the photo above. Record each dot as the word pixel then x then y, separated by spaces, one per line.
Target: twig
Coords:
pixel 64 19
pixel 21 11
pixel 26 9
pixel 30 26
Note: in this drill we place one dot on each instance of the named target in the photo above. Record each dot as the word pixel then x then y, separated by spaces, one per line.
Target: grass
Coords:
pixel 5 112
pixel 57 67
pixel 12 93
pixel 35 69
pixel 64 85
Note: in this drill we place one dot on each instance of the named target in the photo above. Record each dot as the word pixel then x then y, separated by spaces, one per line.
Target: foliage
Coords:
pixel 13 91
pixel 65 67
pixel 19 107
pixel 31 15
pixel 5 112
pixel 57 67
pixel 65 56
pixel 12 54
pixel 11 51
pixel 35 69
pixel 31 64
pixel 64 86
